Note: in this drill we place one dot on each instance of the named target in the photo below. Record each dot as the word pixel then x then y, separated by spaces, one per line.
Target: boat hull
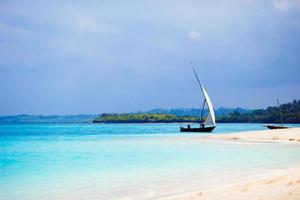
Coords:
pixel 205 129
pixel 276 127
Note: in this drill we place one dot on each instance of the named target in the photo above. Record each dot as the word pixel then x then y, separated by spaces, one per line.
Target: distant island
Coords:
pixel 291 114
pixel 23 118
pixel 144 118
pixel 89 118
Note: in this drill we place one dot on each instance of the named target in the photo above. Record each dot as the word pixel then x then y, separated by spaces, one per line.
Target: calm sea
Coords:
pixel 127 161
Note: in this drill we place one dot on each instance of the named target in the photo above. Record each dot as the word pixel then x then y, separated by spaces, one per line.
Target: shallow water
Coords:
pixel 137 161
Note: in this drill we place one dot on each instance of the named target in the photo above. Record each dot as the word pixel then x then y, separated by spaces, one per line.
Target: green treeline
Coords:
pixel 143 118
pixel 291 114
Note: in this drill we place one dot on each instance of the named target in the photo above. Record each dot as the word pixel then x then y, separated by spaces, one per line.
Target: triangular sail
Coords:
pixel 210 119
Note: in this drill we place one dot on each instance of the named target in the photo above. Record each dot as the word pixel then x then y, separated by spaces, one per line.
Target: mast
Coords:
pixel 281 117
pixel 210 119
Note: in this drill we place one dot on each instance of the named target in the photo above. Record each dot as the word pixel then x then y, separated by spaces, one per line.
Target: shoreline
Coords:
pixel 276 135
pixel 280 184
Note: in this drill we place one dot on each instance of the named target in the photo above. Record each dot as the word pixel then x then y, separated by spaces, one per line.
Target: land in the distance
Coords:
pixel 88 118
pixel 291 114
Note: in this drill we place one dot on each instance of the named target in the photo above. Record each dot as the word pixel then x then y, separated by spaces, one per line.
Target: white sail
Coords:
pixel 210 119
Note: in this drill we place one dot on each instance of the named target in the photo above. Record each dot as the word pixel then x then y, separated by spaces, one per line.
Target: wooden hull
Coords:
pixel 276 127
pixel 205 129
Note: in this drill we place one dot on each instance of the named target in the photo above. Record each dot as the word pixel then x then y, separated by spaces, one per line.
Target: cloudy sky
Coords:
pixel 70 57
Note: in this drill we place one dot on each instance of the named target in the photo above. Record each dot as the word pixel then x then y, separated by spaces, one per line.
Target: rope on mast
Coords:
pixel 196 75
pixel 202 110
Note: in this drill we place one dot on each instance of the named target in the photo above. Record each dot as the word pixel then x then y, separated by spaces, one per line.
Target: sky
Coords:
pixel 72 57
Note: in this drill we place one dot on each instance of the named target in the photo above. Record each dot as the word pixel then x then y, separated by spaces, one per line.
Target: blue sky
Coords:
pixel 69 57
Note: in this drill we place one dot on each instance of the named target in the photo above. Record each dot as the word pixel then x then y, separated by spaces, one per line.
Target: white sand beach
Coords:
pixel 282 135
pixel 283 184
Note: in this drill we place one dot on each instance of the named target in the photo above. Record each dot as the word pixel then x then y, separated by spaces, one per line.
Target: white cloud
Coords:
pixel 194 35
pixel 89 24
pixel 282 5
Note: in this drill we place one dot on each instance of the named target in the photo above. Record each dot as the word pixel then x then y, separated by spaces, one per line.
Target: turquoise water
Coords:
pixel 131 161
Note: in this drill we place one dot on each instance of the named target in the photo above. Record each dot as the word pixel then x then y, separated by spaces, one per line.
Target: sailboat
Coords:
pixel 281 117
pixel 210 122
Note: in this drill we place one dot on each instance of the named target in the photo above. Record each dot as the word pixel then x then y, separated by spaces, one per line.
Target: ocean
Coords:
pixel 127 161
